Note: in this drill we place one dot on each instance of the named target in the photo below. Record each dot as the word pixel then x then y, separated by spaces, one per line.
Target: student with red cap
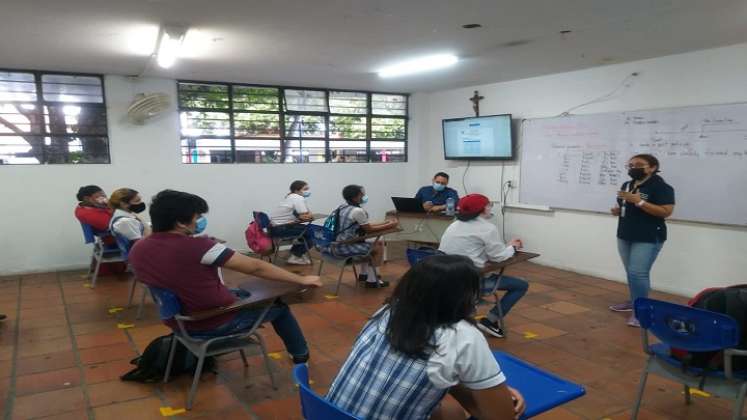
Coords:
pixel 474 236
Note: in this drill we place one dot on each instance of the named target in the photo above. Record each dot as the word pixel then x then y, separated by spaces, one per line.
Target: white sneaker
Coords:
pixel 307 259
pixel 294 260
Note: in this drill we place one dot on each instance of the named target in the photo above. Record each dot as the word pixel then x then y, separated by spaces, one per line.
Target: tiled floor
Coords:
pixel 61 351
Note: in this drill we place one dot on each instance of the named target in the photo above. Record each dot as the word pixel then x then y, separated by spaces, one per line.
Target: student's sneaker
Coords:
pixel 306 259
pixel 622 307
pixel 377 285
pixel 489 327
pixel 298 260
pixel 633 322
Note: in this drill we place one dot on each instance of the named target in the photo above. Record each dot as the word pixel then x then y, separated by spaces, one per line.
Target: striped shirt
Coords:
pixel 377 382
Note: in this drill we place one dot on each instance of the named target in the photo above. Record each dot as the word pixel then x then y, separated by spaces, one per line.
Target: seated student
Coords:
pixel 92 209
pixel 127 204
pixel 422 344
pixel 473 236
pixel 353 222
pixel 292 210
pixel 173 259
pixel 434 196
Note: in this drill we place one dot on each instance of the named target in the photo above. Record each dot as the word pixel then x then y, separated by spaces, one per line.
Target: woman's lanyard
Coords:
pixel 632 188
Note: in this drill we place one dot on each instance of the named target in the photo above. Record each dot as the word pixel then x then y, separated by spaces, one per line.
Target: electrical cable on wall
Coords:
pixel 464 176
pixel 623 85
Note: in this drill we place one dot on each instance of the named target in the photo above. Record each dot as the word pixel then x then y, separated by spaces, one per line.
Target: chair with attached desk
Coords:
pixel 202 347
pixel 102 253
pixel 124 246
pixel 279 240
pixel 325 242
pixel 693 330
pixel 542 390
pixel 415 255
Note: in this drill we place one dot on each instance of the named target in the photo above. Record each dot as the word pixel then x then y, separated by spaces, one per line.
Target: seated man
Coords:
pixel 434 196
pixel 92 208
pixel 473 236
pixel 172 258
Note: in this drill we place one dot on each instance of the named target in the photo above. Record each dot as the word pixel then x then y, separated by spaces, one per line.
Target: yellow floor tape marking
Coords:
pixel 330 296
pixel 168 411
pixel 276 355
pixel 698 393
pixel 115 309
pixel 122 326
pixel 88 285
pixel 529 334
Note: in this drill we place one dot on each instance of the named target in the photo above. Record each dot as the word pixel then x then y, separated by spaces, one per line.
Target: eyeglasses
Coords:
pixel 636 166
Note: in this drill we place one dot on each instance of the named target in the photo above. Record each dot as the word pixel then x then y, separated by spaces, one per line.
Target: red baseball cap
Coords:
pixel 473 204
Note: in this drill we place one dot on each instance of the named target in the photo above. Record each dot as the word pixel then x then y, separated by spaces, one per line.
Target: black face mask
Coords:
pixel 137 208
pixel 637 173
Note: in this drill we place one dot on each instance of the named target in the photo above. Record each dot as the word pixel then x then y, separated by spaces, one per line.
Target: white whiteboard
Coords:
pixel 578 162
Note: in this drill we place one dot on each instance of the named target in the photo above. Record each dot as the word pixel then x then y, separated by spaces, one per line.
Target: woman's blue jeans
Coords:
pixel 638 258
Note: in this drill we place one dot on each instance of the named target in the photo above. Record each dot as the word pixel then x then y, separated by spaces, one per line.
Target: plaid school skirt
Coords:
pixel 353 250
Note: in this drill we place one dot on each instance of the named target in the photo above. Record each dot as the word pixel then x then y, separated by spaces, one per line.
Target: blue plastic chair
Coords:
pixel 541 389
pixel 204 346
pixel 102 253
pixel 325 242
pixel 314 407
pixel 263 220
pixel 124 246
pixel 693 330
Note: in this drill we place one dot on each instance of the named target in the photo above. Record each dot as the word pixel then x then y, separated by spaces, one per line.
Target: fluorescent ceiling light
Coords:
pixel 419 65
pixel 168 48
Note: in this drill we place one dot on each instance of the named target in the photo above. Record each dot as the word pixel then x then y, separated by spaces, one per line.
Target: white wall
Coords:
pixel 39 233
pixel 696 255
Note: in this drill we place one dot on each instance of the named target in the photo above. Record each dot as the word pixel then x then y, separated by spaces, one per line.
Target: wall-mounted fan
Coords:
pixel 147 106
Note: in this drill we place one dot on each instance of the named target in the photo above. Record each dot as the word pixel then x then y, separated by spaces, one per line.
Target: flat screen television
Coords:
pixel 478 138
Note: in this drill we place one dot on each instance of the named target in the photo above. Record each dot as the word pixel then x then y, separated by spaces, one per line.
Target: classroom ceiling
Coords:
pixel 341 43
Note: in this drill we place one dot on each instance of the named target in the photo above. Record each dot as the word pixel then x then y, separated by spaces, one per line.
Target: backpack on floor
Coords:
pixel 731 301
pixel 151 365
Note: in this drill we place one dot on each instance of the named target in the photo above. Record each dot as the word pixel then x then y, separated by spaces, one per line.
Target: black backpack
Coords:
pixel 151 365
pixel 731 301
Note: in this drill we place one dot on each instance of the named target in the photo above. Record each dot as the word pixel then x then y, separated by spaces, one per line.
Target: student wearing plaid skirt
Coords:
pixel 421 345
pixel 354 222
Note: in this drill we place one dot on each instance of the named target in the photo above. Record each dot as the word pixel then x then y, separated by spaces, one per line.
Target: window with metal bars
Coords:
pixel 236 123
pixel 54 118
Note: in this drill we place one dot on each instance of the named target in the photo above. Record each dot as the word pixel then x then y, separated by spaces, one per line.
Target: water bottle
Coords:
pixel 450 206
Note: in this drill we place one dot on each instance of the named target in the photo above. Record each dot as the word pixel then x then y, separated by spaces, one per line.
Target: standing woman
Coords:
pixel 643 205
pixel 125 224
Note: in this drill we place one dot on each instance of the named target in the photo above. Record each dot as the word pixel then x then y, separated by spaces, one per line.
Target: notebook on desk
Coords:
pixel 408 205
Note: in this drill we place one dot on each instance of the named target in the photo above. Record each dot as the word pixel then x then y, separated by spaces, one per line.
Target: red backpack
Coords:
pixel 731 301
pixel 258 239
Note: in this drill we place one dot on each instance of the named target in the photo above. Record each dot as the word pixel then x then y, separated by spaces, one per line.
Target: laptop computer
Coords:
pixel 408 205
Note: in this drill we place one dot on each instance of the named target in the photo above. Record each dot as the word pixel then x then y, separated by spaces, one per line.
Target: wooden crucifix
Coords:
pixel 476 103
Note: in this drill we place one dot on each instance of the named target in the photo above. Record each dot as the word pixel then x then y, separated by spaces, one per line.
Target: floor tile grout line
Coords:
pixel 11 397
pixel 76 353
